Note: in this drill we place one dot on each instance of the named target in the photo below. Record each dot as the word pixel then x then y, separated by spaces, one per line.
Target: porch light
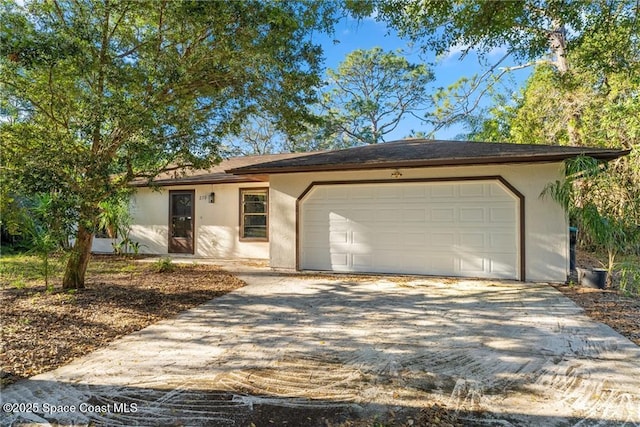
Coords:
pixel 212 197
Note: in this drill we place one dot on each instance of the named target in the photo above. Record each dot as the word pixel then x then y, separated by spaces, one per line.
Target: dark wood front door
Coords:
pixel 181 218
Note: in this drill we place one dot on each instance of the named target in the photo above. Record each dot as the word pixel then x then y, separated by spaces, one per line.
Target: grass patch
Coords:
pixel 24 270
pixel 164 265
pixel 27 269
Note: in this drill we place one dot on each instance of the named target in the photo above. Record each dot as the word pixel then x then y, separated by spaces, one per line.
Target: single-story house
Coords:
pixel 446 208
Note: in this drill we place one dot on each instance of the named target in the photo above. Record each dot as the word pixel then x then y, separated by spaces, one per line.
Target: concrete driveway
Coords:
pixel 295 350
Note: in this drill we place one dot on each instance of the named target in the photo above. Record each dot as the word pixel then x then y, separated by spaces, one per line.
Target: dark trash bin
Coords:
pixel 596 278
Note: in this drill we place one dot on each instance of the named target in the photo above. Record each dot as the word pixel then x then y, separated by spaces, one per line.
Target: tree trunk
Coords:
pixel 572 130
pixel 558 45
pixel 78 261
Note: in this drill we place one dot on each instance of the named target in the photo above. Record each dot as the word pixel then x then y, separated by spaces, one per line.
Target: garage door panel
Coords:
pixel 386 215
pixel 362 262
pixel 318 239
pixel 414 263
pixel 501 267
pixel 313 215
pixel 498 192
pixel 412 194
pixel 442 191
pixel 362 238
pixel 336 193
pixel 472 265
pixel 472 215
pixel 386 261
pixel 443 215
pixel 443 265
pixel 363 193
pixel 417 240
pixel 319 259
pixel 473 240
pixel 502 214
pixel 337 237
pixel 386 239
pixel 412 215
pixel 388 193
pixel 339 258
pixel 453 228
pixel 442 239
pixel 472 190
pixel 502 241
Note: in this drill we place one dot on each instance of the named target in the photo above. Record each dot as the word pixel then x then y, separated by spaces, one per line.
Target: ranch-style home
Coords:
pixel 446 208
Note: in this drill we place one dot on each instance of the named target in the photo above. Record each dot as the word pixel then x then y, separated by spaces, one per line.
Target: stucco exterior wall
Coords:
pixel 216 224
pixel 546 225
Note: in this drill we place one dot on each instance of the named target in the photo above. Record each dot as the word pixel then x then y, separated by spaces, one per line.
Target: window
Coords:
pixel 253 214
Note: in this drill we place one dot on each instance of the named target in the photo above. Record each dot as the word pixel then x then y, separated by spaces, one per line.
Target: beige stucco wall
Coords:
pixel 546 225
pixel 216 224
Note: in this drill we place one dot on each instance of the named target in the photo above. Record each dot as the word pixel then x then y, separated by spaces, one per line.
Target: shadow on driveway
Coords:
pixel 307 350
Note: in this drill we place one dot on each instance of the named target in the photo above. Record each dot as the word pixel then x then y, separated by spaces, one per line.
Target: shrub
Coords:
pixel 630 278
pixel 164 265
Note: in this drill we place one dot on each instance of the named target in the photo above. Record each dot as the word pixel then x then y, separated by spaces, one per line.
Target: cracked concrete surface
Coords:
pixel 506 353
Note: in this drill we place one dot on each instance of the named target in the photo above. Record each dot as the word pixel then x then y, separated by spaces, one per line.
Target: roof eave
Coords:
pixel 234 179
pixel 466 161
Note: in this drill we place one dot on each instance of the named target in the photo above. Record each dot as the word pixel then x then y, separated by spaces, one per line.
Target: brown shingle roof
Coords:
pixel 215 174
pixel 420 153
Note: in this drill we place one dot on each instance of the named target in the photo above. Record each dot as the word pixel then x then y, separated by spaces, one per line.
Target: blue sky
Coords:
pixel 367 33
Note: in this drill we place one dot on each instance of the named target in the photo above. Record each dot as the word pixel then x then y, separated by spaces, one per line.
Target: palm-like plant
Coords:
pixel 602 201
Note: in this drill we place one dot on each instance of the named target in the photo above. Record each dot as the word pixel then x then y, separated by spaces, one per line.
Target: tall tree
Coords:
pixel 258 135
pixel 370 92
pixel 98 92
pixel 531 32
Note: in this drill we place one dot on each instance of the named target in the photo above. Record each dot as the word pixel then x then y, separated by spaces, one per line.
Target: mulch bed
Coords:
pixel 42 330
pixel 610 307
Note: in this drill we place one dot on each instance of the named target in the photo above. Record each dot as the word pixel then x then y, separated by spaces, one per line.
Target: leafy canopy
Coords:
pixel 370 92
pixel 598 35
pixel 98 92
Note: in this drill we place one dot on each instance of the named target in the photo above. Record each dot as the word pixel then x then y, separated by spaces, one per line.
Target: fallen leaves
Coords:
pixel 42 330
pixel 620 312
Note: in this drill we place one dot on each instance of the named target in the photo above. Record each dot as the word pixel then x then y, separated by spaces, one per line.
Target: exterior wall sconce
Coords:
pixel 396 174
pixel 212 197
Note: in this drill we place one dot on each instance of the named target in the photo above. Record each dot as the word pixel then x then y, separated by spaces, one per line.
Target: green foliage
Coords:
pixel 45 227
pixel 578 109
pixel 526 28
pixel 602 202
pixel 126 246
pixel 164 265
pixel 18 284
pixel 95 93
pixel 482 25
pixel 369 94
pixel 630 278
pixel 580 46
pixel 489 124
pixel 114 217
pixel 24 268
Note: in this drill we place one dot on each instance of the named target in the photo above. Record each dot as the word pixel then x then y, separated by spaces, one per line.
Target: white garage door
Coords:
pixel 456 228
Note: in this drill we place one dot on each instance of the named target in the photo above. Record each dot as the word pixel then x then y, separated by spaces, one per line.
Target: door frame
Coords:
pixel 191 241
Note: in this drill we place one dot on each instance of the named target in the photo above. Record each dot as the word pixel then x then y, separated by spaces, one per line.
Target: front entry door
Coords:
pixel 181 222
